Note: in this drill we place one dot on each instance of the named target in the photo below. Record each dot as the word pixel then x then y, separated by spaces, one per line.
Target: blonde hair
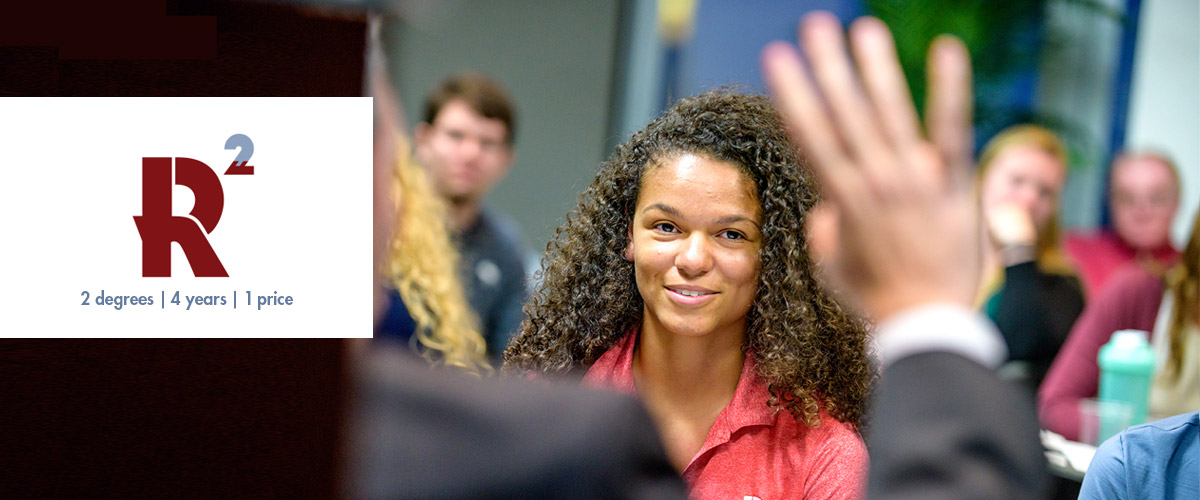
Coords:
pixel 1184 283
pixel 1049 256
pixel 422 265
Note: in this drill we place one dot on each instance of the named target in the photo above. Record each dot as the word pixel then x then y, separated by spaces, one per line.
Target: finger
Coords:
pixel 926 168
pixel 799 104
pixel 948 111
pixel 884 81
pixel 824 241
pixel 977 246
pixel 823 232
pixel 808 121
pixel 823 43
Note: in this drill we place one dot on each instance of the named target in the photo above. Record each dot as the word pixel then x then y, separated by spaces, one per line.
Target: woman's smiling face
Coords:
pixel 694 243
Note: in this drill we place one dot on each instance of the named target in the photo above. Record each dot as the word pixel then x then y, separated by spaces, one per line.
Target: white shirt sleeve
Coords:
pixel 940 328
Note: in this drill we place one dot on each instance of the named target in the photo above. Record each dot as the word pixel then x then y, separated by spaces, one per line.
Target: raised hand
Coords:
pixel 898 199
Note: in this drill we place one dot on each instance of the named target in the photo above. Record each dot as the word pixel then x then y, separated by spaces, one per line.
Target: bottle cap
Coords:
pixel 1128 339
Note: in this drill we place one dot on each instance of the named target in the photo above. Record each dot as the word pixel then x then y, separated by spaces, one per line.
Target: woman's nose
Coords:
pixel 695 256
pixel 1026 197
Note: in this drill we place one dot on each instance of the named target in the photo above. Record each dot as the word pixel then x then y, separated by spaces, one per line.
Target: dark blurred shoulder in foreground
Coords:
pixel 421 433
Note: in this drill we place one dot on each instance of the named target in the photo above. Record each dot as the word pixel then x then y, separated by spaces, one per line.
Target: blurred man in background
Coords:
pixel 1143 199
pixel 465 142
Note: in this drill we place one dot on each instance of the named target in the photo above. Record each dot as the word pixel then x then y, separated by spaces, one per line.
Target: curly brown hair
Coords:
pixel 809 349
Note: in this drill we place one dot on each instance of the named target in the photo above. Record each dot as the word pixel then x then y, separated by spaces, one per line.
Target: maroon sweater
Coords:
pixel 1130 301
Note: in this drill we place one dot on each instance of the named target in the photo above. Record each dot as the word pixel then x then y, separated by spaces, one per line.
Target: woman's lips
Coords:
pixel 690 295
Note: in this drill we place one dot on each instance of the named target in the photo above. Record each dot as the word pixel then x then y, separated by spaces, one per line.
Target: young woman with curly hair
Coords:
pixel 683 277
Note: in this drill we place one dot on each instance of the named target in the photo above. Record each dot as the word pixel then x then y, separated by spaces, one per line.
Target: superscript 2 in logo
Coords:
pixel 159 227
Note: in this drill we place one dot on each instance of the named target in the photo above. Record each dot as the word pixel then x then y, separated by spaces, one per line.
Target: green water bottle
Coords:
pixel 1126 370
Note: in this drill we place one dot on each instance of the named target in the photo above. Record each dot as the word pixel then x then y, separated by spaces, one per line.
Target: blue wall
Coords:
pixel 729 35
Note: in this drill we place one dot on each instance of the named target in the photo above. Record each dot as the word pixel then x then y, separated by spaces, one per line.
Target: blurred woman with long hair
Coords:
pixel 428 309
pixel 1136 299
pixel 1028 287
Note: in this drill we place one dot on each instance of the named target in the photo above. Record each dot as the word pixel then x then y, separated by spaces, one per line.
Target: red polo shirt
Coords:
pixel 752 451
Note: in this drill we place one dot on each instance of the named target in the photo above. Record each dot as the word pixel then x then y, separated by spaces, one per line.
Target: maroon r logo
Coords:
pixel 159 227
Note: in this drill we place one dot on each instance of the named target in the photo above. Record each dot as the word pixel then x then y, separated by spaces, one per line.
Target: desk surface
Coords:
pixel 1066 458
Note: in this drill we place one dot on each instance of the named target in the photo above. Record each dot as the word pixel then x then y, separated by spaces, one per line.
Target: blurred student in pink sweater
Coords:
pixel 1136 299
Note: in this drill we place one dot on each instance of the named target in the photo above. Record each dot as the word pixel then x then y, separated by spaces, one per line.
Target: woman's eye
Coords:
pixel 664 227
pixel 732 235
